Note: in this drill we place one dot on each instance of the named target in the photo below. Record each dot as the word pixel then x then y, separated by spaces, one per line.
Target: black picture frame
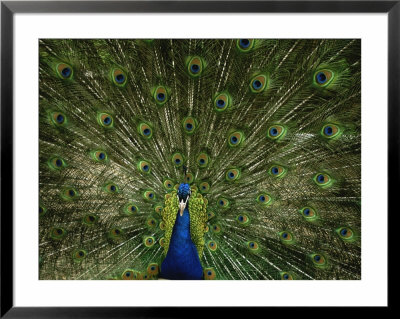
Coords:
pixel 9 8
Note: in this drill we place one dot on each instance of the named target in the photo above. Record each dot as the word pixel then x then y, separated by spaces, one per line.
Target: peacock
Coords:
pixel 199 159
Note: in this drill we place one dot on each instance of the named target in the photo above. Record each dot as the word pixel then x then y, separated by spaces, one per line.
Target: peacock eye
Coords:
pixel 189 125
pixel 195 67
pixel 243 219
pixel 152 269
pixel 151 222
pixel 145 130
pixel 276 132
pixel 286 237
pixel 64 71
pixel 69 194
pixel 149 195
pixel 258 83
pixel 105 120
pixel 323 180
pixel 318 260
pixel 58 118
pixel 189 178
pixel 57 233
pixel 144 167
pixel 202 160
pixel 168 184
pixel 308 213
pixel 130 209
pixel 216 229
pixel 111 188
pixel 253 246
pixel 177 159
pixel 286 276
pixel 222 102
pixel 42 210
pixel 149 241
pixel 99 156
pixel 119 77
pixel 90 219
pixel 209 274
pixel 223 203
pixel 56 163
pixel 79 255
pixel 235 139
pixel 330 131
pixel 212 245
pixel 345 233
pixel 245 45
pixel 160 95
pixel 277 171
pixel 232 174
pixel 264 199
pixel 323 77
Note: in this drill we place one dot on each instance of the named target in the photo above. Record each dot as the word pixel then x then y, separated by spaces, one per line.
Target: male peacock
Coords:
pixel 200 159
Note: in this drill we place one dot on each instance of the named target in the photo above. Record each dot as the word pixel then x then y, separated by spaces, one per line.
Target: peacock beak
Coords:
pixel 182 205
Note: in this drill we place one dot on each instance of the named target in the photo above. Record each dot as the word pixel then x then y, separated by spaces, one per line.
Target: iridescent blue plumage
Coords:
pixel 182 260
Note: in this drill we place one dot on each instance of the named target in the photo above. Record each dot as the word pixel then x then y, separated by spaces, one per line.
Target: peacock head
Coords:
pixel 183 196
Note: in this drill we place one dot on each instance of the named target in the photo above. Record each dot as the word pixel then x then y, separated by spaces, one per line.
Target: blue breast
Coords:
pixel 182 260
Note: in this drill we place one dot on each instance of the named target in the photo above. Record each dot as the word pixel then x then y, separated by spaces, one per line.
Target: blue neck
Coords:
pixel 182 260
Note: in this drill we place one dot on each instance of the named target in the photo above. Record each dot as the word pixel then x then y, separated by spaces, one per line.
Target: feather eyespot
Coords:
pixel 149 195
pixel 56 163
pixel 160 95
pixel 79 255
pixel 277 171
pixel 318 260
pixel 235 139
pixel 204 187
pixel 58 233
pixel 189 125
pixel 276 132
pixel 203 160
pixel 129 274
pixel 177 159
pixel 144 167
pixel 42 210
pixel 330 131
pixel 253 246
pixel 149 241
pixel 212 245
pixel 209 274
pixel 286 237
pixel 345 233
pixel 264 199
pixel 232 174
pixel 243 219
pixel 245 45
pixel 323 180
pixel 130 209
pixel 168 184
pixel 119 77
pixel 145 130
pixel 64 71
pixel 153 269
pixel 258 83
pixel 195 66
pixel 286 276
pixel 90 219
pixel 59 119
pixel 111 188
pixel 308 213
pixel 323 78
pixel 105 120
pixel 69 194
pixel 222 101
pixel 223 203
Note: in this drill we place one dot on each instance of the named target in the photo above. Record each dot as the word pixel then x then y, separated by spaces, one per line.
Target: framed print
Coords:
pixel 196 154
